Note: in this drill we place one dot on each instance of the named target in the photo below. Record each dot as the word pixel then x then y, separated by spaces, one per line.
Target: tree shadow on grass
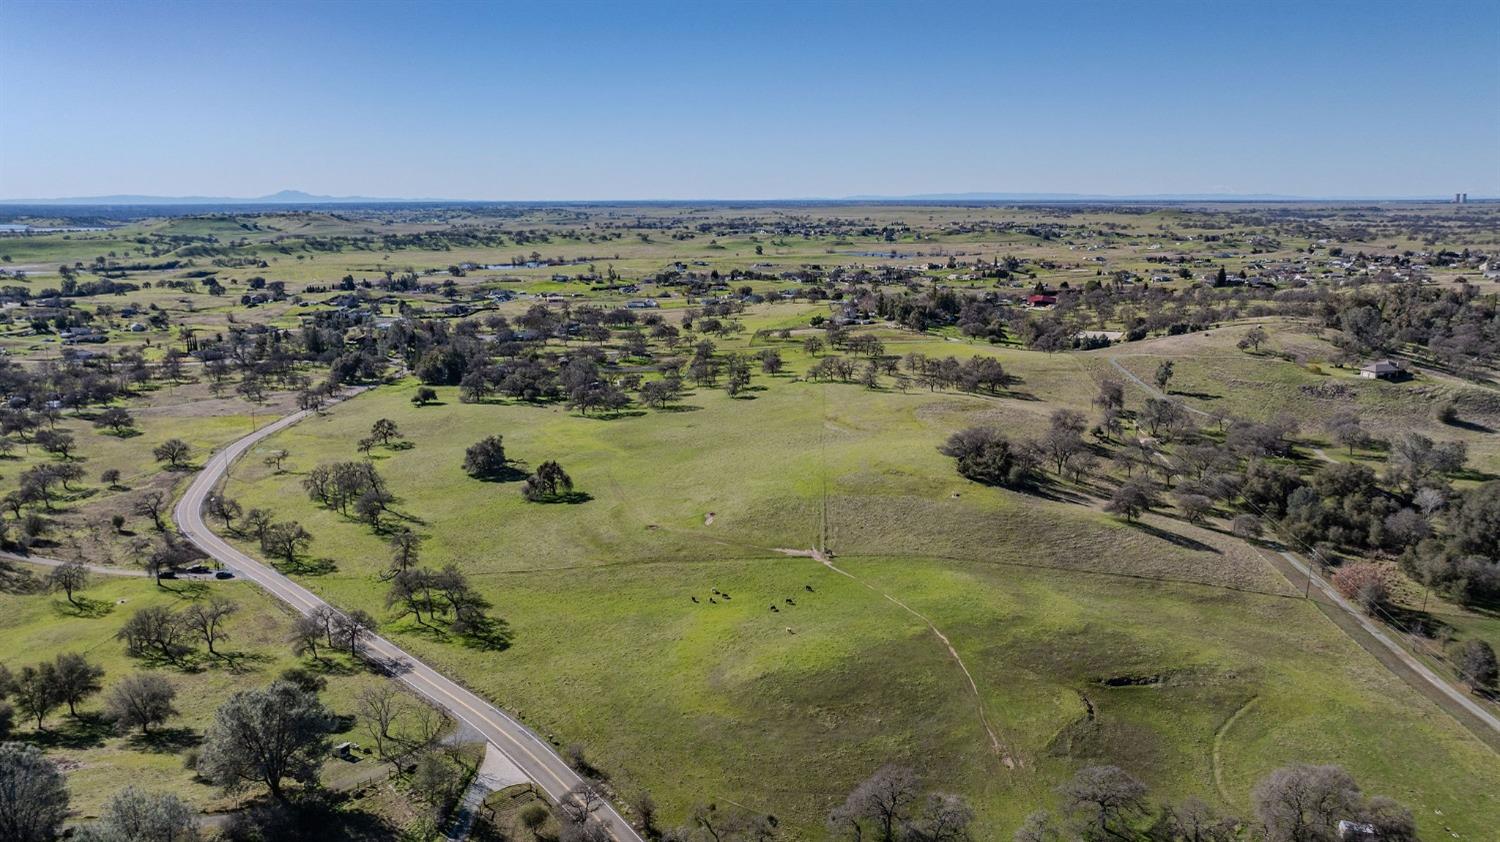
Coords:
pixel 1418 622
pixel 1173 538
pixel 313 816
pixel 1473 474
pixel 82 606
pixel 509 473
pixel 324 665
pixel 1049 491
pixel 308 567
pixel 16 581
pixel 569 497
pixel 240 662
pixel 165 740
pixel 87 730
pixel 188 589
pixel 491 634
pixel 1471 426
pixel 404 517
pixel 679 407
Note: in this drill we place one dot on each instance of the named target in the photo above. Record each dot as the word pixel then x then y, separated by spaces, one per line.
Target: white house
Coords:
pixel 1380 370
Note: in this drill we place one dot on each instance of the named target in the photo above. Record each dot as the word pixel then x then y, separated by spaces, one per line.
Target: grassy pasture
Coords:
pixel 1044 601
pixel 99 761
pixel 784 711
pixel 81 514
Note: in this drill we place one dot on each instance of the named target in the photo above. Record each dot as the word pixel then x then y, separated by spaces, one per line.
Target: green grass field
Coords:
pixel 642 619
pixel 100 761
pixel 1044 601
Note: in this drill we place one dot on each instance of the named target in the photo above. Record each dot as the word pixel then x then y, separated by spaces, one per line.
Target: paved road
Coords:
pixel 525 749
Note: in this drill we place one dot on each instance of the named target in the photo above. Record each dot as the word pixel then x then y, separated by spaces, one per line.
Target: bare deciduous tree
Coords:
pixel 207 617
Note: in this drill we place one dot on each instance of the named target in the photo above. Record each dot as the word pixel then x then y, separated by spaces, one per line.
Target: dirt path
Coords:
pixel 1218 749
pixel 1155 392
pixel 995 744
pixel 102 570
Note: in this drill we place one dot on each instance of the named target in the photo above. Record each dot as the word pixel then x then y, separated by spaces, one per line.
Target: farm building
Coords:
pixel 1381 370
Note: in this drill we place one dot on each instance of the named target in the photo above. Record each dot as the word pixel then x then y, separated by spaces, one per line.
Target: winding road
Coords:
pixel 529 752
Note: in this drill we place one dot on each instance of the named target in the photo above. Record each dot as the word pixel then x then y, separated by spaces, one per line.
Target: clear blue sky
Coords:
pixel 749 100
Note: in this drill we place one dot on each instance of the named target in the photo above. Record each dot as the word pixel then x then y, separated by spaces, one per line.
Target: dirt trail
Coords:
pixel 54 562
pixel 1155 392
pixel 995 744
pixel 1218 749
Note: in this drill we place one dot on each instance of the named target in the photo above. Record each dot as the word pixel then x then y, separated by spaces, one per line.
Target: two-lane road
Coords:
pixel 524 748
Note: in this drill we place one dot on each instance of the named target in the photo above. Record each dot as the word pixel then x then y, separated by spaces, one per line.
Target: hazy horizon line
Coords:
pixel 293 197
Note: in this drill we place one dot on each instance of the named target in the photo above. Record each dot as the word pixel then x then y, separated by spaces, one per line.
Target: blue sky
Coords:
pixel 749 100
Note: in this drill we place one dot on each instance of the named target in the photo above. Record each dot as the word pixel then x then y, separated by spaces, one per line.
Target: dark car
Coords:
pixel 223 574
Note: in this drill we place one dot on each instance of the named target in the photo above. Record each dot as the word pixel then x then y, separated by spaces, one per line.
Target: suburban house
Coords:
pixel 1381 370
pixel 1038 300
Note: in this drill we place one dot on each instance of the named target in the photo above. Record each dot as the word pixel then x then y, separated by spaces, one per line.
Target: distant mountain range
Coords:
pixel 285 197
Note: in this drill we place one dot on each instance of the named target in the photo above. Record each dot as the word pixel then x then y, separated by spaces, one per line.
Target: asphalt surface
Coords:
pixel 529 752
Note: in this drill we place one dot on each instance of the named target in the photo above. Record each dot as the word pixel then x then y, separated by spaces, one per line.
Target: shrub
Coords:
pixel 986 456
pixel 1364 583
pixel 1246 526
